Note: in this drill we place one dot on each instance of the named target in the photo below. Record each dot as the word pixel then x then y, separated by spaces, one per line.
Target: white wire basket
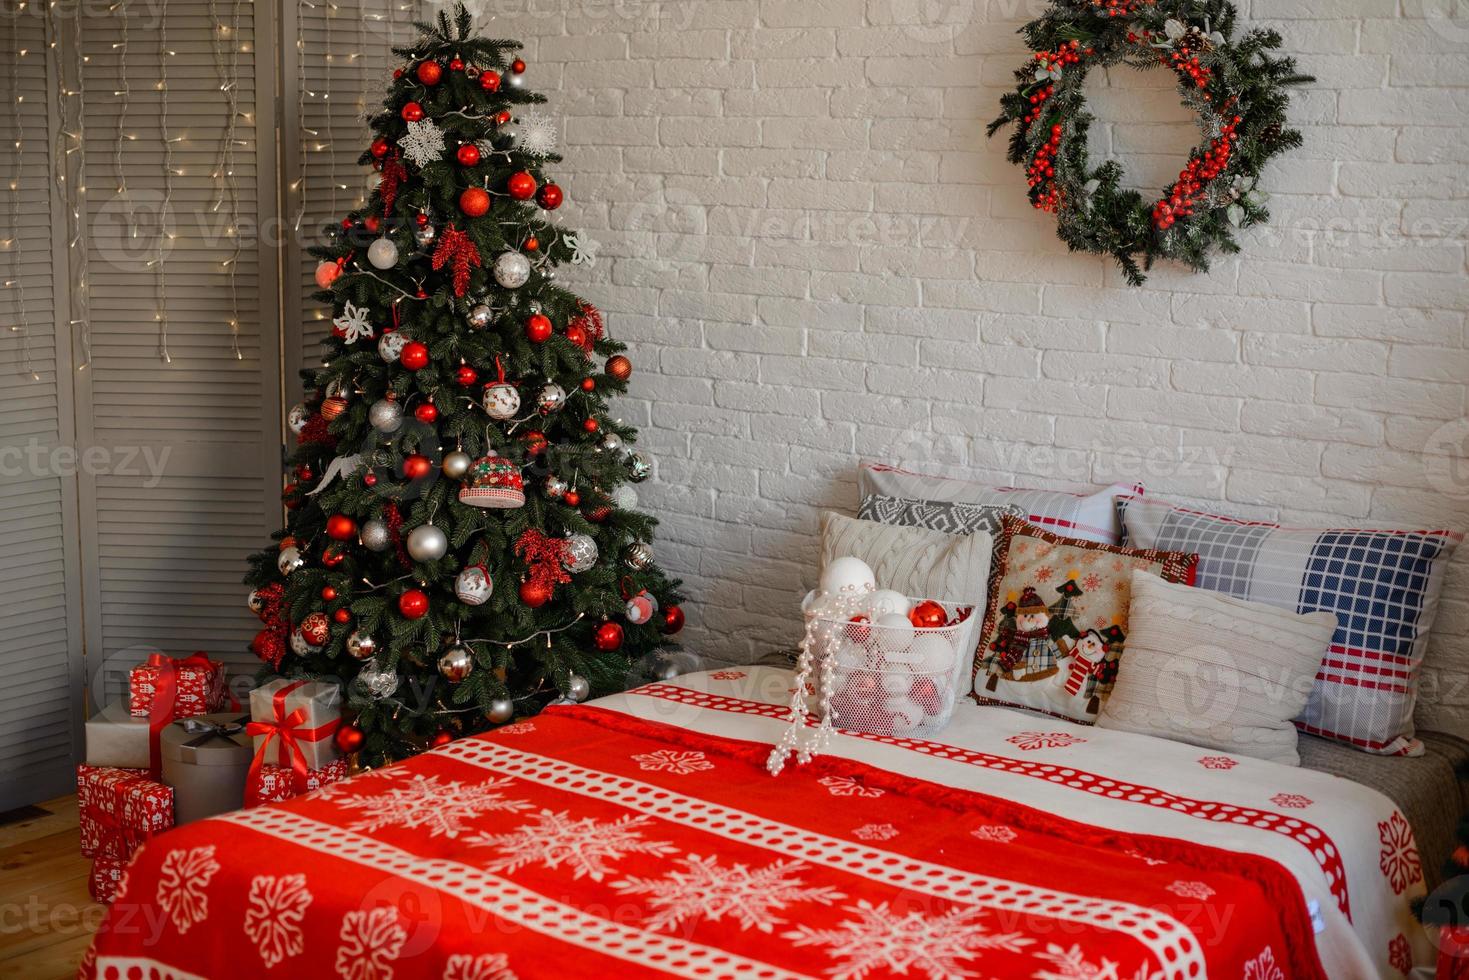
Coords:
pixel 886 677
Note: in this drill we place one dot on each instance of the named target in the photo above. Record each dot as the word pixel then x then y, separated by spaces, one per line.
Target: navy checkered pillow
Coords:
pixel 1382 586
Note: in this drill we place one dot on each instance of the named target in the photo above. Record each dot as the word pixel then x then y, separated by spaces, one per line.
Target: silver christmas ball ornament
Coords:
pixel 297 418
pixel 577 688
pixel 479 317
pixel 382 253
pixel 289 560
pixel 638 467
pixel 456 463
pixel 456 662
pixel 385 416
pixel 581 552
pixel 551 398
pixel 637 556
pixel 501 711
pixel 390 345
pixel 512 270
pixel 375 536
pixel 377 683
pixel 555 487
pixel 361 645
pixel 255 602
pixel 515 79
pixel 427 543
pixel 425 235
pixel 611 443
pixel 625 497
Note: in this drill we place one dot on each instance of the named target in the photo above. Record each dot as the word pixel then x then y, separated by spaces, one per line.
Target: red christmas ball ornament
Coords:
pixel 328 594
pixel 619 367
pixel 517 66
pixel 608 636
pixel 292 496
pixel 333 556
pixel 342 616
pixel 413 604
pixel 340 527
pixel 489 80
pixel 430 72
pixel 532 244
pixel 417 466
pixel 349 738
pixel 672 621
pixel 536 442
pixel 397 73
pixel 456 63
pixel 538 328
pixel 414 356
pixel 927 615
pixel 588 384
pixel 466 375
pixel 371 223
pixel 927 694
pixel 412 112
pixel 572 498
pixel 577 334
pixel 475 202
pixel 346 223
pixel 521 185
pixel 441 738
pixel 369 479
pixel 534 594
pixel 420 219
pixel 550 197
pixel 590 425
pixel 467 155
pixel 599 513
pixel 303 472
pixel 503 116
pixel 326 274
pixel 427 413
pixel 379 148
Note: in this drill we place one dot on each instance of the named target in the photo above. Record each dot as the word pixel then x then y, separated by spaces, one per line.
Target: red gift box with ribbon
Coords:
pixel 292 722
pixel 105 878
pixel 182 687
pixel 277 784
pixel 117 810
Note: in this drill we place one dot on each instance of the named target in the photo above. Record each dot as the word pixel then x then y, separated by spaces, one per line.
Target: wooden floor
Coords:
pixel 46 916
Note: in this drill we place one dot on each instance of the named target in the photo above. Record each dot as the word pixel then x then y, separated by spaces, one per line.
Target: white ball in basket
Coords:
pixel 897 683
pixel 847 575
pixel 893 634
pixel 885 601
pixel 907 714
pixel 931 654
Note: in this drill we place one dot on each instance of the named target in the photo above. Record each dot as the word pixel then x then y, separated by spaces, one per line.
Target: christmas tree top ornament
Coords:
pixel 406 504
pixel 1233 83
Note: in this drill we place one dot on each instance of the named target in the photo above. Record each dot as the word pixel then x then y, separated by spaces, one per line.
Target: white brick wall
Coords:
pixel 815 253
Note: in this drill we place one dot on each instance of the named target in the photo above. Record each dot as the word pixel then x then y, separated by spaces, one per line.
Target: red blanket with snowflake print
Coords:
pixel 587 842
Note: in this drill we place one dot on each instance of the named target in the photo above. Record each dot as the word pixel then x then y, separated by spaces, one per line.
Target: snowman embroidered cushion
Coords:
pixel 1056 622
pixel 1215 671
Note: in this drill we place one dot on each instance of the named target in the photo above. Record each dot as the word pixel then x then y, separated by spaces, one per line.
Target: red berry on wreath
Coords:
pixel 414 355
pixel 538 328
pixel 379 148
pixel 534 594
pixel 340 527
pixel 467 155
pixel 475 202
pixel 416 466
pixel 489 80
pixel 430 72
pixel 427 413
pixel 412 112
pixel 466 375
pixel 521 185
pixel 672 621
pixel 349 738
pixel 608 636
pixel 413 604
pixel 550 197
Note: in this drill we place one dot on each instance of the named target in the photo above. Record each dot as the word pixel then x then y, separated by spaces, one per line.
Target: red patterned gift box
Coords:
pixel 187 686
pixel 277 783
pixel 105 877
pixel 119 809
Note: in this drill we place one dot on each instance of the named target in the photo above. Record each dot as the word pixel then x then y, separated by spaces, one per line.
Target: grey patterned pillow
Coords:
pixel 948 516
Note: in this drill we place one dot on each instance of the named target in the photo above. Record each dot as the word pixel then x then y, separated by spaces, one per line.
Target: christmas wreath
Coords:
pixel 1235 85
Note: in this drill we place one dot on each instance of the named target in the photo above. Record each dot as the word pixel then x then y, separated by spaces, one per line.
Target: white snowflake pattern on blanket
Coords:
pixel 427 803
pixel 273 918
pixel 883 940
pixel 584 845
pixel 181 885
pixel 669 760
pixel 485 966
pixel 1072 964
pixel 371 941
pixel 703 889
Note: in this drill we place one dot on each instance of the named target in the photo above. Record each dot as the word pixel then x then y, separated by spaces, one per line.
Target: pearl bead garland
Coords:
pixel 826 619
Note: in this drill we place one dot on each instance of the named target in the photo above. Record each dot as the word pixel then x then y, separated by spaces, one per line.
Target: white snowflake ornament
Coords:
pixel 536 134
pixel 352 325
pixel 424 143
pixel 583 249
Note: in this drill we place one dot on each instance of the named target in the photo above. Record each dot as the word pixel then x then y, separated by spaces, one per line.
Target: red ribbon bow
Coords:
pixel 165 692
pixel 287 732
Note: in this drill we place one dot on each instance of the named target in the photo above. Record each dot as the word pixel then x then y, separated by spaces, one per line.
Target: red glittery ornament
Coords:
pixel 430 72
pixel 413 604
pixel 475 201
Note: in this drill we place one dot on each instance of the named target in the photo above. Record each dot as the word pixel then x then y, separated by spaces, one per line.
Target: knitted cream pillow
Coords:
pixel 1216 671
pixel 915 561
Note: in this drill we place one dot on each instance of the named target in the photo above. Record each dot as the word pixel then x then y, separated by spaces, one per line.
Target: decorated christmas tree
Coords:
pixel 462 546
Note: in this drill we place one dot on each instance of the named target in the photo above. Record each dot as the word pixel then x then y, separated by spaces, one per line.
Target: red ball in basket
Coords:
pixel 928 615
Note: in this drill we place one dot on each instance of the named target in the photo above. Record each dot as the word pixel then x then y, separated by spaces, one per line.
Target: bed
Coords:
pixel 640 834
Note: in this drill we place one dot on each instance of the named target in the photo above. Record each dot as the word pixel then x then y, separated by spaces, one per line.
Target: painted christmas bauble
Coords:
pixel 297 418
pixel 550 197
pixel 256 602
pixel 512 270
pixel 390 345
pixel 555 488
pixel 538 328
pixel 427 542
pixel 382 253
pixel 456 663
pixel 473 586
pixel 608 636
pixel 326 274
pixel 619 367
pixel 578 688
pixel 673 620
pixel 501 710
pixel 638 467
pixel 638 556
pixel 340 527
pixel 552 397
pixel 361 645
pixel 289 560
pixel 316 629
pixel 479 317
pixel 928 615
pixel 456 463
pixel 301 646
pixel 475 201
pixel 640 608
pixel 581 553
pixel 521 185
pixel 414 355
pixel 534 594
pixel 501 400
pixel 847 575
pixel 385 416
pixel 413 604
pixel 375 536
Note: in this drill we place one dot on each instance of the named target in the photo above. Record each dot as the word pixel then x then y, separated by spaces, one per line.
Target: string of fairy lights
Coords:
pixel 72 105
pixel 226 46
pixel 16 282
